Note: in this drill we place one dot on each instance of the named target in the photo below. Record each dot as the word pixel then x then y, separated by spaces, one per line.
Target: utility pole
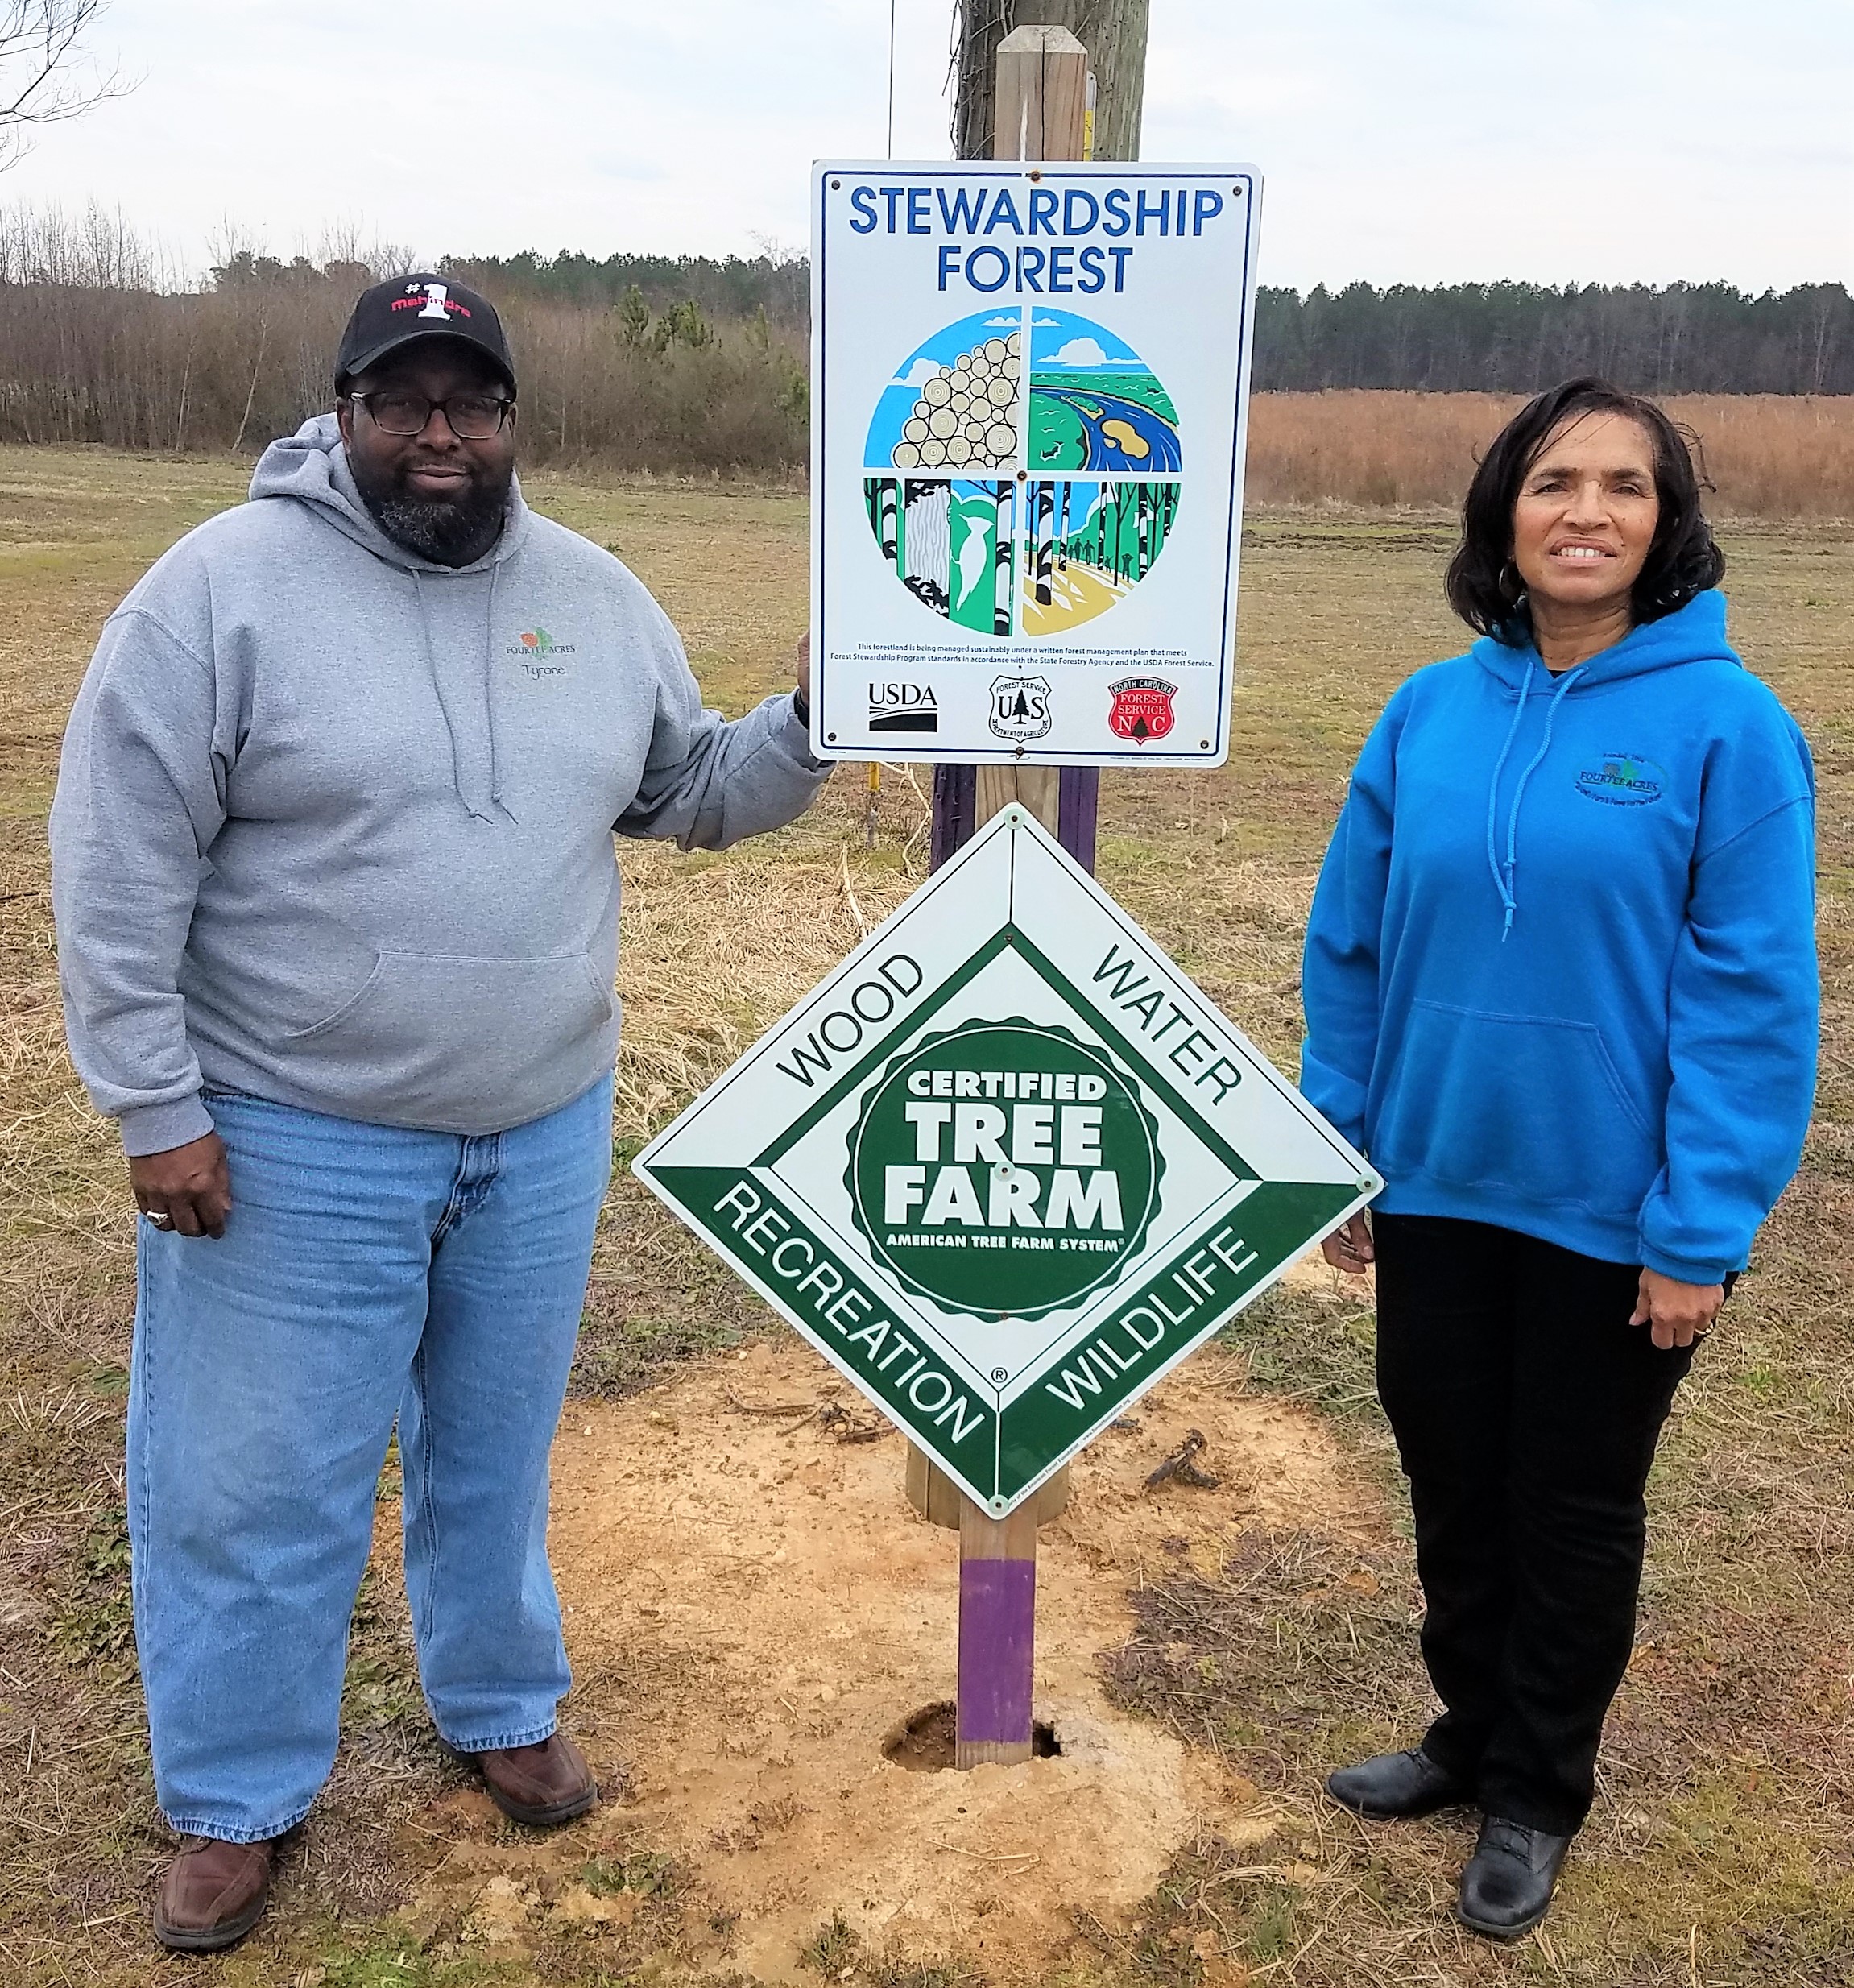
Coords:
pixel 1113 32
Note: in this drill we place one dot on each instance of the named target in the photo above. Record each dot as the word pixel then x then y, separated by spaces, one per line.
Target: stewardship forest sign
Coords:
pixel 1031 390
pixel 1006 1166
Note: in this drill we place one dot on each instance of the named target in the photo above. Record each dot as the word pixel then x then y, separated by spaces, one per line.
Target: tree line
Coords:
pixel 99 345
pixel 1467 338
pixel 1496 338
pixel 699 364
pixel 721 287
pixel 1520 337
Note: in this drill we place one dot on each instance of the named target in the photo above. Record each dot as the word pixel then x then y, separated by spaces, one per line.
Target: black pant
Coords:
pixel 1526 1408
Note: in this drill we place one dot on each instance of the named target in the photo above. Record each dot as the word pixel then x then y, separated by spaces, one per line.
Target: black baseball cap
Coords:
pixel 404 308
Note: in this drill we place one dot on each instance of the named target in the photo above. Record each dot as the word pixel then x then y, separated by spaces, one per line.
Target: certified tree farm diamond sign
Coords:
pixel 1030 385
pixel 1006 1166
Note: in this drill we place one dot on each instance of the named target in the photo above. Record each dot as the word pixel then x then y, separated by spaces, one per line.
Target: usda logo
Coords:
pixel 1005 1170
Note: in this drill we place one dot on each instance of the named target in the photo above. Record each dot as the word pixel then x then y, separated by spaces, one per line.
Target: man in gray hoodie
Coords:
pixel 337 902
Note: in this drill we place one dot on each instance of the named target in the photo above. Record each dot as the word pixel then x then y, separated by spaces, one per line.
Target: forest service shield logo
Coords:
pixel 1141 708
pixel 1020 707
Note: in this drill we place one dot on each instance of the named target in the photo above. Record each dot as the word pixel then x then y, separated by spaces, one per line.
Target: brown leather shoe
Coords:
pixel 213 1895
pixel 539 1785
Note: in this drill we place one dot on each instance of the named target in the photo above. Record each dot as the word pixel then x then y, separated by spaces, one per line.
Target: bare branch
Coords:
pixel 43 76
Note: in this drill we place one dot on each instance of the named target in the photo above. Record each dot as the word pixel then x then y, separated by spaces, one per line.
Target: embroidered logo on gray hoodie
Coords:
pixel 334 825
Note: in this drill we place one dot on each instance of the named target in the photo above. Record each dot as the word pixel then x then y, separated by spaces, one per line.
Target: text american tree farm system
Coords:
pixel 1006 1166
pixel 1032 386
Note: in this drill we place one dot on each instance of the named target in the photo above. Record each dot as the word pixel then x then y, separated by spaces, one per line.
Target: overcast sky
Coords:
pixel 1414 141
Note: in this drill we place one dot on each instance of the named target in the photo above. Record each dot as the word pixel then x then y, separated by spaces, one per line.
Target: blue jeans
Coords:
pixel 366 1273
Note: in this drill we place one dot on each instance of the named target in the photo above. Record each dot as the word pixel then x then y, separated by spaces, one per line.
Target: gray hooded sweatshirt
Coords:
pixel 334 825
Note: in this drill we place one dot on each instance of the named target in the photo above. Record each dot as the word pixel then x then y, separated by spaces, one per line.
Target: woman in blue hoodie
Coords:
pixel 1561 985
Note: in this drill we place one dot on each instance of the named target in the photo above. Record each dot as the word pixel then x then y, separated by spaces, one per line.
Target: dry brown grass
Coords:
pixel 1771 455
pixel 1718 1853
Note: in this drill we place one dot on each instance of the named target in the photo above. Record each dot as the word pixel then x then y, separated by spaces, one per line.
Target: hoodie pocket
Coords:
pixel 1527 1104
pixel 443 1038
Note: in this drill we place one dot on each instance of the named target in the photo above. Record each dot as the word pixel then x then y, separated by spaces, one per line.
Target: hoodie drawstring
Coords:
pixel 1504 878
pixel 444 705
pixel 489 688
pixel 1499 879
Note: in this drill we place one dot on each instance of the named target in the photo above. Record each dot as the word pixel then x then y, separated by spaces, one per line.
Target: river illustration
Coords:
pixel 1081 425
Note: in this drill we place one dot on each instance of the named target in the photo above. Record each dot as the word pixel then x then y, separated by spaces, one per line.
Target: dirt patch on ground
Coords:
pixel 754 1610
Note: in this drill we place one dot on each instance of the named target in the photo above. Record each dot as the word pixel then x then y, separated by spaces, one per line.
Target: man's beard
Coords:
pixel 448 531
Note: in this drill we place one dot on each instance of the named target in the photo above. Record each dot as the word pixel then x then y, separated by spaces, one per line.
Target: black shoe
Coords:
pixel 1506 1889
pixel 1397 1787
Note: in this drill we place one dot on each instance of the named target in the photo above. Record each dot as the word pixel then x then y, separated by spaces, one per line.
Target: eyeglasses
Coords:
pixel 472 416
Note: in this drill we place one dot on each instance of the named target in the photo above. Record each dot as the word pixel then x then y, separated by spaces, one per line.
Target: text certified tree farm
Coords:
pixel 1031 390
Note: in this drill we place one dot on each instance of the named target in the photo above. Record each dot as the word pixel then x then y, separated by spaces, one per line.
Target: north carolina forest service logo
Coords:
pixel 1020 707
pixel 1142 708
pixel 1622 780
pixel 1004 1169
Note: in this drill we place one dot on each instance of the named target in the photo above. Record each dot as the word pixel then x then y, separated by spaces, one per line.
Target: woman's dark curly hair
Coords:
pixel 1484 587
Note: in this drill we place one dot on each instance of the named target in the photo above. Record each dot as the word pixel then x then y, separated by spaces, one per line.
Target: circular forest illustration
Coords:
pixel 1022 499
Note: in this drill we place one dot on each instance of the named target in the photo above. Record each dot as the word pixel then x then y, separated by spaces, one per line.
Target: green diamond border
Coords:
pixel 1053 1413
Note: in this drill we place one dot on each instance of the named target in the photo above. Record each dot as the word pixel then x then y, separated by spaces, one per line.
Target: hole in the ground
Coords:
pixel 924 1742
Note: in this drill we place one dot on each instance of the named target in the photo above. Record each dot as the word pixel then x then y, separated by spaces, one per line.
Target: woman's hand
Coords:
pixel 1676 1313
pixel 1349 1248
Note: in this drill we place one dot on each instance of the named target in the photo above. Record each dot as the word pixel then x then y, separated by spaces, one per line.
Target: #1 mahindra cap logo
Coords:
pixel 1005 1171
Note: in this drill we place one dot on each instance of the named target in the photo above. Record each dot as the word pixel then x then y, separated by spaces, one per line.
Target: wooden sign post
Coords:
pixel 997 1635
pixel 1042 103
pixel 959 1167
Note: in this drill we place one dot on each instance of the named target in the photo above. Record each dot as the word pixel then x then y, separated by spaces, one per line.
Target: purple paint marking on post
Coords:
pixel 1078 803
pixel 997 1648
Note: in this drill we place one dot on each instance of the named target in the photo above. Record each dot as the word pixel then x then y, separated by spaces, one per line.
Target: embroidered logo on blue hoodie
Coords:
pixel 1566 988
pixel 1624 780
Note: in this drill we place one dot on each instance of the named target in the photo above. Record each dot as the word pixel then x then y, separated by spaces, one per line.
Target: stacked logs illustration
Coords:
pixel 966 415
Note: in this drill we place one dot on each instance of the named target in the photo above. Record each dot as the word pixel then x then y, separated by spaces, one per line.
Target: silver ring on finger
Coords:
pixel 159 1221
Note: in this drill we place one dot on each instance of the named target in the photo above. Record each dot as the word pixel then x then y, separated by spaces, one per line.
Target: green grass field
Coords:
pixel 1719 1852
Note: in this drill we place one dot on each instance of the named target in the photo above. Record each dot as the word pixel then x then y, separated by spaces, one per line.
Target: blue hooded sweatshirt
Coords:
pixel 1560 973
